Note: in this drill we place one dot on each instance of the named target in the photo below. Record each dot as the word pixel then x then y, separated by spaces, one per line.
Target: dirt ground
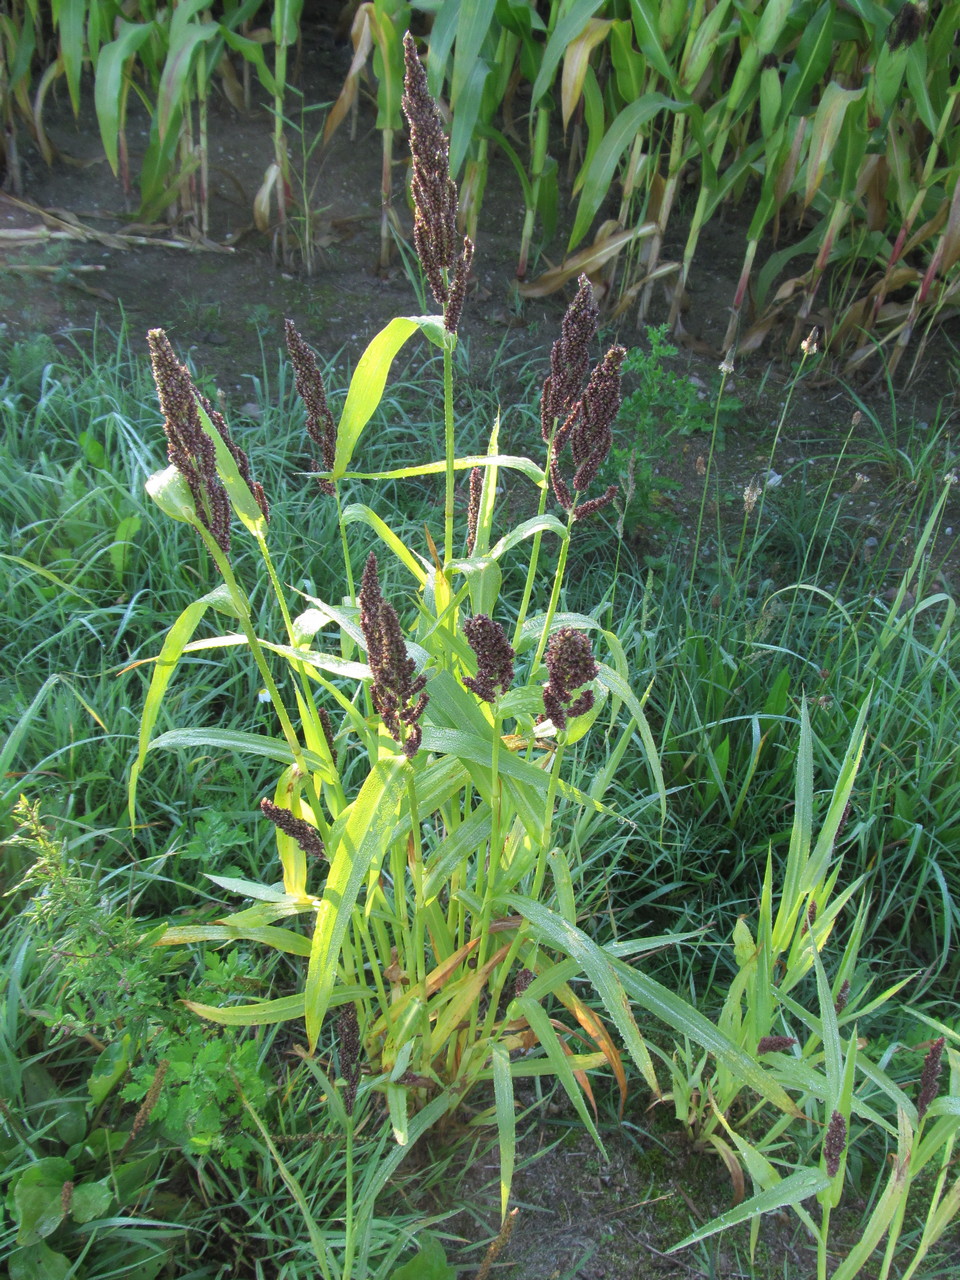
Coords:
pixel 223 301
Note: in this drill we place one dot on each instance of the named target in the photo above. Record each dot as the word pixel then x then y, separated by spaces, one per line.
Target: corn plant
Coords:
pixel 425 785
pixel 168 56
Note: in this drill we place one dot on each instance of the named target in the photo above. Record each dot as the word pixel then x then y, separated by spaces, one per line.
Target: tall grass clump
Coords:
pixel 413 840
pixel 433 744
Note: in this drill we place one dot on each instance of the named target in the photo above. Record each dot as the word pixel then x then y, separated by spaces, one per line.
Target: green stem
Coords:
pixel 348 1224
pixel 347 566
pixel 243 610
pixel 449 475
pixel 555 593
pixel 822 1238
pixel 541 871
pixel 308 700
pixel 535 550
pixel 706 485
pixel 416 872
pixel 487 878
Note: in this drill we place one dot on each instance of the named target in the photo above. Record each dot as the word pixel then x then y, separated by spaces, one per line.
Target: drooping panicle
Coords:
pixel 297 828
pixel 189 448
pixel 434 193
pixel 835 1143
pixel 321 428
pixel 593 505
pixel 930 1077
pixel 570 664
pixel 397 694
pixel 495 657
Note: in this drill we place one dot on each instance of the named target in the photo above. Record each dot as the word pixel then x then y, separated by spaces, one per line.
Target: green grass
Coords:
pixel 93 579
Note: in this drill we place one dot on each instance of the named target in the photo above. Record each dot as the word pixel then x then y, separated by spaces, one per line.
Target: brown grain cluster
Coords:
pixel 582 416
pixel 397 694
pixel 320 425
pixel 446 260
pixel 570 664
pixel 297 828
pixel 190 449
pixel 495 657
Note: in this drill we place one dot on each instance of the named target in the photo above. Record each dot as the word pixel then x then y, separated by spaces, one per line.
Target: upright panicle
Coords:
pixel 397 695
pixel 584 417
pixel 445 259
pixel 321 428
pixel 569 361
pixel 190 449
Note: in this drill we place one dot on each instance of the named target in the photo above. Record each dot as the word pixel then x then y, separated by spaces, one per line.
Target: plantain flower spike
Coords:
pixel 445 259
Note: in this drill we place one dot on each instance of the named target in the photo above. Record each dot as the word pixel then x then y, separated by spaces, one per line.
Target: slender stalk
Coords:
pixel 488 876
pixel 555 592
pixel 415 862
pixel 308 699
pixel 541 869
pixel 386 199
pixel 449 442
pixel 540 140
pixel 243 609
pixel 535 549
pixel 706 485
pixel 348 1223
pixel 822 1238
pixel 204 158
pixel 347 566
